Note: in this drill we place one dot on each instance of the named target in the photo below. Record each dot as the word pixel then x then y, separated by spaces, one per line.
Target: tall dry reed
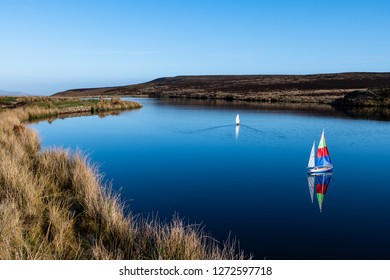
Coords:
pixel 54 205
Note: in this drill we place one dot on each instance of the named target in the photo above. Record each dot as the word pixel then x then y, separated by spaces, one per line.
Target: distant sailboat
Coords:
pixel 320 163
pixel 238 119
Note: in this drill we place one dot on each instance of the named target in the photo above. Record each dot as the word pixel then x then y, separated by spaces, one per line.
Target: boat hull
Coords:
pixel 320 170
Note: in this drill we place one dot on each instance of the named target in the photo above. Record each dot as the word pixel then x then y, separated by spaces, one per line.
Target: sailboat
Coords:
pixel 238 119
pixel 321 162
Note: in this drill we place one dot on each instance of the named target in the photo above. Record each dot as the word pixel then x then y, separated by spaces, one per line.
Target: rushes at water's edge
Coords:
pixel 54 205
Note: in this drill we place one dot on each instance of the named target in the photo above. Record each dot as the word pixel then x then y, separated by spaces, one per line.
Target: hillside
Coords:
pixel 319 88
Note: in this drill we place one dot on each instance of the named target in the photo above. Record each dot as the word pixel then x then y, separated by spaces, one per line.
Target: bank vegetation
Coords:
pixel 54 204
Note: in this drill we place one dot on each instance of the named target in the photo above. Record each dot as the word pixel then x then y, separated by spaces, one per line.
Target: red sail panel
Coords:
pixel 322 152
pixel 321 188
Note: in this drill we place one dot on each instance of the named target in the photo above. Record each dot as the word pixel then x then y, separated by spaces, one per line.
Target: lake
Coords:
pixel 188 157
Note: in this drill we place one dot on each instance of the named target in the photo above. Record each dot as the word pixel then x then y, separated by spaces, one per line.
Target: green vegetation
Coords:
pixel 68 104
pixel 54 204
pixel 45 107
pixel 7 99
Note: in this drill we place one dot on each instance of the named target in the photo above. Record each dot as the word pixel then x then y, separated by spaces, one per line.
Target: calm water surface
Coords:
pixel 168 158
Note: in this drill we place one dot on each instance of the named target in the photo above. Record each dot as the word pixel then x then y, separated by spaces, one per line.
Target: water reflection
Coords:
pixel 371 113
pixel 320 184
pixel 50 120
pixel 237 131
pixel 310 180
pixel 214 170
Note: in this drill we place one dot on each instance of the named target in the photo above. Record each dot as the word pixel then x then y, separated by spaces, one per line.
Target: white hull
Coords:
pixel 318 170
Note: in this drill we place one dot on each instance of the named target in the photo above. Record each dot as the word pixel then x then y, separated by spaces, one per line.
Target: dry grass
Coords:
pixel 113 103
pixel 54 205
pixel 55 106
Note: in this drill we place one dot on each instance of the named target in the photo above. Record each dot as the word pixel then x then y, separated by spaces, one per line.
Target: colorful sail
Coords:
pixel 321 182
pixel 323 157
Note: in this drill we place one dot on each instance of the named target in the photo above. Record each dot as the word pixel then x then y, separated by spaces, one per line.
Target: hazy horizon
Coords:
pixel 51 46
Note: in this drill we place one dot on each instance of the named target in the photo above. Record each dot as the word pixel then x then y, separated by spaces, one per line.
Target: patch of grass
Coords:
pixel 54 205
pixel 75 103
pixel 35 107
pixel 7 99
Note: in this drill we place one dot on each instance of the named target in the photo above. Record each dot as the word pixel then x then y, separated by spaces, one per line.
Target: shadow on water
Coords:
pixel 366 113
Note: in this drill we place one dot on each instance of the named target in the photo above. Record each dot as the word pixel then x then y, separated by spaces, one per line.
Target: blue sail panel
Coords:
pixel 323 161
pixel 322 180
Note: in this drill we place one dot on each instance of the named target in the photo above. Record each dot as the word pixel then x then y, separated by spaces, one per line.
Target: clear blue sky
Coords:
pixel 51 45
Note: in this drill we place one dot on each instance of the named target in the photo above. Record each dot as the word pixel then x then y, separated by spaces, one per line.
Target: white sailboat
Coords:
pixel 321 162
pixel 238 119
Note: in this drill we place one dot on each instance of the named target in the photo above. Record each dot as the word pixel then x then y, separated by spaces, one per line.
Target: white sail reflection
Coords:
pixel 310 180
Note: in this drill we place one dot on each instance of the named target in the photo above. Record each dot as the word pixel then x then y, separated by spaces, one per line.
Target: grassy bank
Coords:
pixel 39 107
pixel 54 205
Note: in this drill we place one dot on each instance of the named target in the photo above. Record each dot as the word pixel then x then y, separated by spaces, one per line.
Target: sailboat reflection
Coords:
pixel 237 131
pixel 320 184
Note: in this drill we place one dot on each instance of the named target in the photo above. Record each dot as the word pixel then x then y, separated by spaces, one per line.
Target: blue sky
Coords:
pixel 49 46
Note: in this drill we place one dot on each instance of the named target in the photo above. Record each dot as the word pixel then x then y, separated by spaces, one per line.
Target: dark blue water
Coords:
pixel 169 158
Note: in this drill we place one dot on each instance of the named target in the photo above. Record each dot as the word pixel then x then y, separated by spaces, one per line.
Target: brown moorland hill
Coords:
pixel 318 88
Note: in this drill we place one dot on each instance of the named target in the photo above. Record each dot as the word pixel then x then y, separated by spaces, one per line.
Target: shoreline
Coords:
pixel 347 89
pixel 54 204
